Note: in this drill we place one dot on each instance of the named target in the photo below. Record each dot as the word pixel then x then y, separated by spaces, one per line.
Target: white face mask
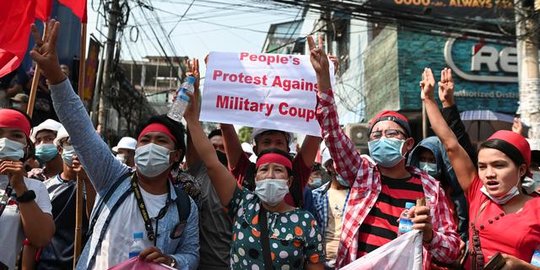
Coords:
pixel 152 159
pixel 271 191
pixel 67 154
pixel 513 192
pixel 11 150
pixel 430 168
pixel 121 157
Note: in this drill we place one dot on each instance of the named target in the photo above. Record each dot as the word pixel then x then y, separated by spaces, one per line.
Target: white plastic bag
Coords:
pixel 404 252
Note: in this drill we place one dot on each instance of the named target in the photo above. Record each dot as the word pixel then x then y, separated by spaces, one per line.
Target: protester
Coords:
pixel 381 183
pixel 266 229
pixel 216 139
pixel 496 202
pixel 62 188
pixel 129 202
pixel 330 202
pixel 315 178
pixel 46 152
pixel 25 208
pixel 125 151
pixel 19 102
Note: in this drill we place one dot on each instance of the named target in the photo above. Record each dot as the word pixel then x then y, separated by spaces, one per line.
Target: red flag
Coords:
pixel 78 7
pixel 43 9
pixel 16 17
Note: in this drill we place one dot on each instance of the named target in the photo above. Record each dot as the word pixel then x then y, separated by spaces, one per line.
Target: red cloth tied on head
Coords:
pixel 393 116
pixel 274 158
pixel 156 127
pixel 14 119
pixel 518 141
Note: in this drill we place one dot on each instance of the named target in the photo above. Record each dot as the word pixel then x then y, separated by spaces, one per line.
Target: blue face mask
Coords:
pixel 317 182
pixel 342 181
pixel 46 152
pixel 386 152
pixel 430 168
pixel 67 155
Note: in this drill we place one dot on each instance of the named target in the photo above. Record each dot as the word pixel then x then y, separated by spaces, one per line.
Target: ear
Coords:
pixel 175 155
pixel 290 181
pixel 255 150
pixel 408 145
pixel 60 149
pixel 522 170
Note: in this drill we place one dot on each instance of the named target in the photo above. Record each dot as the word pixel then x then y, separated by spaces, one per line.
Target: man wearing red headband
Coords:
pixel 25 208
pixel 381 184
pixel 129 203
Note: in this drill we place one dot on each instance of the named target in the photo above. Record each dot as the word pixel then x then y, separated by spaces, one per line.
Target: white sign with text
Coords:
pixel 273 91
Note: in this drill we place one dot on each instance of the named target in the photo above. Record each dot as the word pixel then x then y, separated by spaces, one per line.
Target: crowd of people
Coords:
pixel 201 202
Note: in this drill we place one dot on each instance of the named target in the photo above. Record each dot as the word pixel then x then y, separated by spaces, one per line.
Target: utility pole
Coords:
pixel 115 14
pixel 529 83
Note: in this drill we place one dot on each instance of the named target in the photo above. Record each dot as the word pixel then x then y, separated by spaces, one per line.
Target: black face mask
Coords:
pixel 222 158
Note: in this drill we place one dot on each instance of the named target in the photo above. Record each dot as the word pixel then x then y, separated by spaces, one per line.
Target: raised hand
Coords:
pixel 44 53
pixel 517 126
pixel 446 88
pixel 427 84
pixel 194 71
pixel 319 61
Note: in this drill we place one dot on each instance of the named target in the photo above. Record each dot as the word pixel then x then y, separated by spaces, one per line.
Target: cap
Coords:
pixel 258 131
pixel 20 97
pixel 516 140
pixel 394 116
pixel 48 124
pixel 125 143
pixel 60 135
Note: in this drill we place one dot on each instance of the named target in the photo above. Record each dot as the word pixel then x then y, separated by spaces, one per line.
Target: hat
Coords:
pixel 48 124
pixel 20 97
pixel 60 135
pixel 394 116
pixel 126 143
pixel 516 140
pixel 258 131
pixel 10 118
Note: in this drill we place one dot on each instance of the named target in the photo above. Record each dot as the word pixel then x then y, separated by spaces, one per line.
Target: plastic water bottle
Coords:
pixel 137 246
pixel 405 224
pixel 182 99
pixel 536 258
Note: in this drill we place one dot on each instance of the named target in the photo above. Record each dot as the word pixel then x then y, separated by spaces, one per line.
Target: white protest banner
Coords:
pixel 273 91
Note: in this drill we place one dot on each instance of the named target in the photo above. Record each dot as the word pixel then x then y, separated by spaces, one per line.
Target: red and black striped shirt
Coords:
pixel 381 224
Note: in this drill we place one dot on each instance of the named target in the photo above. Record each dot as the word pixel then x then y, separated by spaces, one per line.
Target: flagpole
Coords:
pixel 35 82
pixel 79 196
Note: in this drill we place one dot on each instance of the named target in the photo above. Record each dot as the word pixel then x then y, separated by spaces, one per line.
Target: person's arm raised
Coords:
pixel 221 178
pixel 463 166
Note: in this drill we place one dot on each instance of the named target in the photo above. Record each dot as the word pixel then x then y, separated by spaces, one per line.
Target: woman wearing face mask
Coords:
pixel 496 204
pixel 267 232
pixel 25 208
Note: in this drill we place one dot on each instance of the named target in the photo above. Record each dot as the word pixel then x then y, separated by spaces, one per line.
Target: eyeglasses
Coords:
pixel 389 133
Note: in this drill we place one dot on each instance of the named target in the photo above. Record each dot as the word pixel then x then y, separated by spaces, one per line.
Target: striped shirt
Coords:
pixel 365 181
pixel 381 224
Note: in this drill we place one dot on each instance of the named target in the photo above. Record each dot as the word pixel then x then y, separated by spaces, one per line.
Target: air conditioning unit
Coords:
pixel 359 133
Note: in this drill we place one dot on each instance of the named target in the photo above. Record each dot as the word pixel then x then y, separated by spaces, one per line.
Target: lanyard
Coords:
pixel 5 198
pixel 144 213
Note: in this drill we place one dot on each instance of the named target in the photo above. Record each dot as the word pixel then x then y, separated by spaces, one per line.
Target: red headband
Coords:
pixel 518 141
pixel 274 158
pixel 14 119
pixel 156 127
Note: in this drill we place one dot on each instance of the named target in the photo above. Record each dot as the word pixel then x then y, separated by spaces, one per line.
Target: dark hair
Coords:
pixel 215 132
pixel 296 186
pixel 508 149
pixel 176 129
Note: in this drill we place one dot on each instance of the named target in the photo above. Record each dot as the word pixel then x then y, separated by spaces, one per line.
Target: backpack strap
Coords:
pixel 95 212
pixel 183 204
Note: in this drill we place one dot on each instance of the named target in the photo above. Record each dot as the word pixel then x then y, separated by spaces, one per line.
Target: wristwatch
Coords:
pixel 173 262
pixel 26 196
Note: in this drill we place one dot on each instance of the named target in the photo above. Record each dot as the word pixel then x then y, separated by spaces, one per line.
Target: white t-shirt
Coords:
pixel 127 220
pixel 11 230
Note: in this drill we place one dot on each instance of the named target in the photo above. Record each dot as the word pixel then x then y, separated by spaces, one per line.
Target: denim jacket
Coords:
pixel 103 169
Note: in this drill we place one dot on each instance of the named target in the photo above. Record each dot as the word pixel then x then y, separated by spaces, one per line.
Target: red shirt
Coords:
pixel 516 234
pixel 244 172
